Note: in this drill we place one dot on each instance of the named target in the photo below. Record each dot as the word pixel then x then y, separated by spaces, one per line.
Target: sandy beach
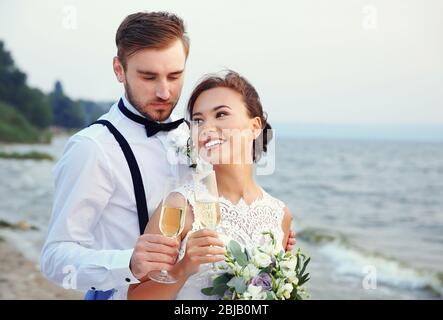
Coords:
pixel 20 279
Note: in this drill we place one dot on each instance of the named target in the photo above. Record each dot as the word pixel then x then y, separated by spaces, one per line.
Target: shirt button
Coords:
pixel 128 280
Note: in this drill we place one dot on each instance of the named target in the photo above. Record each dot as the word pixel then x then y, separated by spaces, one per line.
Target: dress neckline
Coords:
pixel 242 202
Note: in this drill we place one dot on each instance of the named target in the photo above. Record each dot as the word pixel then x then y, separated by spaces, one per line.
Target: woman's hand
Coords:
pixel 203 246
pixel 291 241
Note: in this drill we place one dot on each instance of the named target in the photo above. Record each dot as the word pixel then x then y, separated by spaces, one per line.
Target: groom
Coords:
pixel 110 176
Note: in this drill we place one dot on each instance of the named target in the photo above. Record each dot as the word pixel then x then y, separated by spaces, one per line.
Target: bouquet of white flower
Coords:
pixel 264 273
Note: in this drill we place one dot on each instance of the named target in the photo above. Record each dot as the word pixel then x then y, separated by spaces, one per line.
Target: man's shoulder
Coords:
pixel 99 133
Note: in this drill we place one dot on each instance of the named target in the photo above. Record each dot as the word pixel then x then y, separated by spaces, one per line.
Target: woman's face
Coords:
pixel 223 128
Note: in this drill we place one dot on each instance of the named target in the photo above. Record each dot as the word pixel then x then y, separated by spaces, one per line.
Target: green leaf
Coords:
pixel 293 293
pixel 238 253
pixel 220 289
pixel 238 283
pixel 268 269
pixel 222 279
pixel 303 279
pixel 305 264
pixel 298 262
pixel 208 291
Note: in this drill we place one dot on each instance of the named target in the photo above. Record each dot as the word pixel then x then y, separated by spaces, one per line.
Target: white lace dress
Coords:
pixel 241 222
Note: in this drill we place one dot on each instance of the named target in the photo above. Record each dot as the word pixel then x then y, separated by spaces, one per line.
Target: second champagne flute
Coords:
pixel 206 208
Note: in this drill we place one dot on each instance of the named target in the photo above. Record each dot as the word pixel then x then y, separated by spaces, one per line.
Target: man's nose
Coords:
pixel 162 90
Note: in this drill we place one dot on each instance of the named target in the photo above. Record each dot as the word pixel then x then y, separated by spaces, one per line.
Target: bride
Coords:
pixel 221 105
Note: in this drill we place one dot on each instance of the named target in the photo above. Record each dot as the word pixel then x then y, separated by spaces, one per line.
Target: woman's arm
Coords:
pixel 200 244
pixel 148 289
pixel 286 225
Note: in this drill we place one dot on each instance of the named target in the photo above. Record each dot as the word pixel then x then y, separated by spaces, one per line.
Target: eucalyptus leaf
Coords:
pixel 208 291
pixel 220 289
pixel 222 279
pixel 270 295
pixel 238 253
pixel 238 283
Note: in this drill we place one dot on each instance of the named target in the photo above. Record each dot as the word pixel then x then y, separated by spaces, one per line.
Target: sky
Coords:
pixel 312 61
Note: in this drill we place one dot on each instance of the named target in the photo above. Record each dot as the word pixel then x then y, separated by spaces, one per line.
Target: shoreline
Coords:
pixel 21 279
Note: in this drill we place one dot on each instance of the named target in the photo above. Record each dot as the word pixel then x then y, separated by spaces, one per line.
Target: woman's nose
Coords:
pixel 208 126
pixel 208 131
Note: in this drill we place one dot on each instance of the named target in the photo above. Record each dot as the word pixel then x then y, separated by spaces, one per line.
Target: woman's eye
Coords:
pixel 198 121
pixel 221 114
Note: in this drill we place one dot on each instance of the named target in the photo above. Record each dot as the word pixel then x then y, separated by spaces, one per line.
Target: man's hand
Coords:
pixel 291 241
pixel 153 252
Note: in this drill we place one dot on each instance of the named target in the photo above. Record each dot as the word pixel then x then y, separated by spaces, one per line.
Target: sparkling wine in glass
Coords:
pixel 206 208
pixel 171 224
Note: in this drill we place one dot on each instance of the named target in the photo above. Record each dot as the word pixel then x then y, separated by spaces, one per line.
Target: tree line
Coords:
pixel 25 108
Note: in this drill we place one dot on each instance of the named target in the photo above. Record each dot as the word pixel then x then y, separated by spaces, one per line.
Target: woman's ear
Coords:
pixel 256 126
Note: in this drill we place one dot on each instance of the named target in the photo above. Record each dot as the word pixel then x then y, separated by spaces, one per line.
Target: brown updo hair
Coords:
pixel 239 84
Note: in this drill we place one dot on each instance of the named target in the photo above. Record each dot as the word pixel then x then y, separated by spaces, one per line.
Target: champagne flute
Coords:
pixel 171 223
pixel 206 208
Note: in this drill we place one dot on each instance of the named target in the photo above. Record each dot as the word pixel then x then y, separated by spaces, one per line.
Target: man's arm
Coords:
pixel 83 187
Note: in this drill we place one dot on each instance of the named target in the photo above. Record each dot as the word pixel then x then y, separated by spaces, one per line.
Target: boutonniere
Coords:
pixel 181 149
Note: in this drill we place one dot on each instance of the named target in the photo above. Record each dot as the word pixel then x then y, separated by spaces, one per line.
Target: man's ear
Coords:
pixel 118 69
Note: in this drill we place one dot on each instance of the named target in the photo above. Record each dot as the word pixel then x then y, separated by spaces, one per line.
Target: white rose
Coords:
pixel 177 141
pixel 178 138
pixel 250 271
pixel 291 276
pixel 254 293
pixel 289 264
pixel 270 249
pixel 236 268
pixel 284 290
pixel 260 259
pixel 172 156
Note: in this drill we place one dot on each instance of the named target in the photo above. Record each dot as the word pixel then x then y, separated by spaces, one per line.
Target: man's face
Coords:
pixel 153 79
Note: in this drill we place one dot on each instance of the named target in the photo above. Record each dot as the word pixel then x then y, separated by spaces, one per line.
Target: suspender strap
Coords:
pixel 139 190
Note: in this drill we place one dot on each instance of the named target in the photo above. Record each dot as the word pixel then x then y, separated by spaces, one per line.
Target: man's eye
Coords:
pixel 149 78
pixel 173 78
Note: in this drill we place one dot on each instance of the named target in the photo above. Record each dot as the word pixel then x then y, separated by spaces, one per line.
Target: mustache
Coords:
pixel 158 101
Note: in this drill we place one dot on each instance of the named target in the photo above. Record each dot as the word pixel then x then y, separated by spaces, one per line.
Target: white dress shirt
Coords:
pixel 94 223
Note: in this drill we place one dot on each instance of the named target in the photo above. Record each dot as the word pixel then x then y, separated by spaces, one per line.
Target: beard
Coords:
pixel 155 115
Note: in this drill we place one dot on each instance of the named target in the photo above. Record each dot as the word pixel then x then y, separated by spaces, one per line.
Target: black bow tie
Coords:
pixel 151 126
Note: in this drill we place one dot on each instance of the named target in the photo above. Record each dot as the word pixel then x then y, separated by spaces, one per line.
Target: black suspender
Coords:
pixel 139 190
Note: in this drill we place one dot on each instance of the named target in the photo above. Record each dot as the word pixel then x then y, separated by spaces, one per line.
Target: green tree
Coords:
pixel 31 102
pixel 67 113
